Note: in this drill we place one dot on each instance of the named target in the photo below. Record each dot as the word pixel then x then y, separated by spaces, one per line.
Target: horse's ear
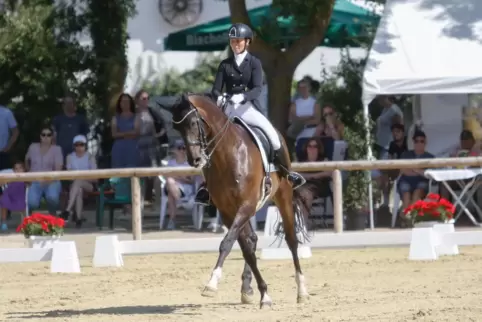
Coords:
pixel 185 97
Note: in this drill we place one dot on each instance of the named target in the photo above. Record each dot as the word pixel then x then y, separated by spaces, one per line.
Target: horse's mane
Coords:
pixel 206 104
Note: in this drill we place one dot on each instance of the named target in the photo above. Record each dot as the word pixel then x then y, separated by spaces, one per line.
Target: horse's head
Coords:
pixel 192 118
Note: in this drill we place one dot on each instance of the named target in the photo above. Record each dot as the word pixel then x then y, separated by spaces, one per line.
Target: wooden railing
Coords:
pixel 335 166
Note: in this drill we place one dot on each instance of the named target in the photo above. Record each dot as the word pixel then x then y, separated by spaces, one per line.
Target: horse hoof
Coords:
pixel 265 302
pixel 246 298
pixel 302 299
pixel 209 291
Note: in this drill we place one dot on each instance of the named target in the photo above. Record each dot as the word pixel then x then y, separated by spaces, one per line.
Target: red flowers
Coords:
pixel 433 208
pixel 41 225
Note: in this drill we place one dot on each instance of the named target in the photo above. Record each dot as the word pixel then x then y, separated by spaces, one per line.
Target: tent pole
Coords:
pixel 366 115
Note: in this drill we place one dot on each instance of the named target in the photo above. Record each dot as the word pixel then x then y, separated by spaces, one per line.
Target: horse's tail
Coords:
pixel 301 211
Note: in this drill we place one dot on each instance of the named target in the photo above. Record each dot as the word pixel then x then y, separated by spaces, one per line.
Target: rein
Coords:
pixel 202 141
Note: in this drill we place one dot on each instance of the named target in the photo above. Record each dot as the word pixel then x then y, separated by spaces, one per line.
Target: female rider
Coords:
pixel 242 77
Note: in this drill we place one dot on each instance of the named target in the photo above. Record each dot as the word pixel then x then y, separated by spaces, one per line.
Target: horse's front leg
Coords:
pixel 242 216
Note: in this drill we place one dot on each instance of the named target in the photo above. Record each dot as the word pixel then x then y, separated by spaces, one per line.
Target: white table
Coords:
pixel 469 181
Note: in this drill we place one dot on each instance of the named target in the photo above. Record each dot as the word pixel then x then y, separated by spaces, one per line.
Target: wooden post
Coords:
pixel 136 208
pixel 337 201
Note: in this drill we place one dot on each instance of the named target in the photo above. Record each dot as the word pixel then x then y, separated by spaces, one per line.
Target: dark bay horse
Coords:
pixel 232 167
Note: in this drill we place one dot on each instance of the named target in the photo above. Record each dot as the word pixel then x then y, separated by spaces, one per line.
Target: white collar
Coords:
pixel 239 58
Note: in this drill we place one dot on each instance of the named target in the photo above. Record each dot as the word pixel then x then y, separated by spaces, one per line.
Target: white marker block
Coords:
pixel 64 258
pixel 443 247
pixel 423 244
pixel 107 252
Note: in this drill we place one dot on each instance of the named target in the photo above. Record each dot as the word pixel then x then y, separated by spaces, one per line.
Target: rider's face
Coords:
pixel 237 45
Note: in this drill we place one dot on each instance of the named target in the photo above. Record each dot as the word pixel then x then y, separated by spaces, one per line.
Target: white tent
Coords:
pixel 430 47
pixel 426 47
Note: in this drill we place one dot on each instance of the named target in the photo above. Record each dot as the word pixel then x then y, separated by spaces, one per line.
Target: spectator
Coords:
pixel 13 198
pixel 177 187
pixel 412 184
pixel 395 150
pixel 44 157
pixel 80 159
pixel 8 136
pixel 69 124
pixel 391 114
pixel 317 183
pixel 125 132
pixel 305 115
pixel 467 147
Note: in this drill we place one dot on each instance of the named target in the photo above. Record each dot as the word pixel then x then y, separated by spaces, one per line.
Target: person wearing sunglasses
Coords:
pixel 412 184
pixel 80 159
pixel 44 156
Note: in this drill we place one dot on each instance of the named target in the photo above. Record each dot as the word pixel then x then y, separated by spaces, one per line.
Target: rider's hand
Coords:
pixel 237 98
pixel 219 101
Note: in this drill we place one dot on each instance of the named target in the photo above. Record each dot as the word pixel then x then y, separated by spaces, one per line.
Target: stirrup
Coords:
pixel 296 179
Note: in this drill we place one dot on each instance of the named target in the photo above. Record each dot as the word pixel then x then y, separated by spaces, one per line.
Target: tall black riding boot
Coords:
pixel 202 195
pixel 281 159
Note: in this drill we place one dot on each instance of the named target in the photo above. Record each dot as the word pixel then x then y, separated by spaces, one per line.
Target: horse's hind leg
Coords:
pixel 247 241
pixel 284 201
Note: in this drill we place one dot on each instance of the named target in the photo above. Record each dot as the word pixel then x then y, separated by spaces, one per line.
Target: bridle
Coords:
pixel 202 140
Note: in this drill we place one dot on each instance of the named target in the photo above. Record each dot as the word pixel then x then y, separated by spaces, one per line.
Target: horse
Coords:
pixel 232 167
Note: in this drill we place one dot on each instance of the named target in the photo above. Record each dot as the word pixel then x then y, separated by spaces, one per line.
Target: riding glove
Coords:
pixel 219 101
pixel 237 98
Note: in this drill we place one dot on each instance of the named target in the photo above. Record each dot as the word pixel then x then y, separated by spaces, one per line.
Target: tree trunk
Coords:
pixel 279 98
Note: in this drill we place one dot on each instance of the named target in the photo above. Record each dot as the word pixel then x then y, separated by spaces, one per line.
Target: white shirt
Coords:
pixel 239 58
pixel 305 107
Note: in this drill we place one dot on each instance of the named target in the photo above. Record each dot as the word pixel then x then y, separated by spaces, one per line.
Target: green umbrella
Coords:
pixel 348 23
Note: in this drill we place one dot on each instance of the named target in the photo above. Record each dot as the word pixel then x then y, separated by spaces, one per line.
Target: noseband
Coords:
pixel 202 140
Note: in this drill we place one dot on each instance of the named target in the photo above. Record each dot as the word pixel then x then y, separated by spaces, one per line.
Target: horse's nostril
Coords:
pixel 197 160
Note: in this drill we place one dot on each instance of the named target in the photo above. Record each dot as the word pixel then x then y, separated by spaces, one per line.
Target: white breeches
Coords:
pixel 248 113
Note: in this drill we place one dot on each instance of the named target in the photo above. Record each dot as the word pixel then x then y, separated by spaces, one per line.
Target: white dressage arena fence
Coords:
pixel 61 254
pixel 440 239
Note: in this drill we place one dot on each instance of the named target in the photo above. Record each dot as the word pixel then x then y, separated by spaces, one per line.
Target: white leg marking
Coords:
pixel 215 277
pixel 300 282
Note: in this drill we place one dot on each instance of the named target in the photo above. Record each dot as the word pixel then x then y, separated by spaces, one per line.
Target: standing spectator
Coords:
pixel 305 115
pixel 391 114
pixel 125 132
pixel 8 136
pixel 413 185
pixel 80 159
pixel 44 157
pixel 69 124
pixel 177 187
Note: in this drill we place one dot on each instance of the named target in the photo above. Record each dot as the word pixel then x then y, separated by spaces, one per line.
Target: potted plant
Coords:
pixel 41 230
pixel 431 211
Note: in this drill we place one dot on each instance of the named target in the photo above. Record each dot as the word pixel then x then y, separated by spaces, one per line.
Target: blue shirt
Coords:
pixel 67 127
pixel 7 124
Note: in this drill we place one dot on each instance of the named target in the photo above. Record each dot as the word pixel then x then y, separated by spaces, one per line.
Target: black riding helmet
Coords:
pixel 240 31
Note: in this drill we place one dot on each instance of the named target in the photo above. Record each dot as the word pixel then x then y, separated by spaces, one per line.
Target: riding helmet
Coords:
pixel 240 31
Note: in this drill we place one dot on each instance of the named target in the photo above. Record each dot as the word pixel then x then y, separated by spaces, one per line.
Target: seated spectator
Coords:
pixel 467 147
pixel 390 115
pixel 305 115
pixel 317 183
pixel 125 132
pixel 44 157
pixel 13 198
pixel 413 185
pixel 331 126
pixel 395 150
pixel 80 159
pixel 177 187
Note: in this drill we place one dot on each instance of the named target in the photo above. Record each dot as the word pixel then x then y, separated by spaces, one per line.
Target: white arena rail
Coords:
pixel 62 256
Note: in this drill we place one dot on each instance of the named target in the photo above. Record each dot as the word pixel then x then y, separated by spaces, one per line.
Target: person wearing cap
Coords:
pixel 177 186
pixel 412 184
pixel 80 159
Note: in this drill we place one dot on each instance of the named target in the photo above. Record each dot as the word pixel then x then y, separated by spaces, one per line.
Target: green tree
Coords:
pixel 40 60
pixel 313 17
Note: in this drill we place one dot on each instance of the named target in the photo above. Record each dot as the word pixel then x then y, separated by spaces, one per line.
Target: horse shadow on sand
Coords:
pixel 116 310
